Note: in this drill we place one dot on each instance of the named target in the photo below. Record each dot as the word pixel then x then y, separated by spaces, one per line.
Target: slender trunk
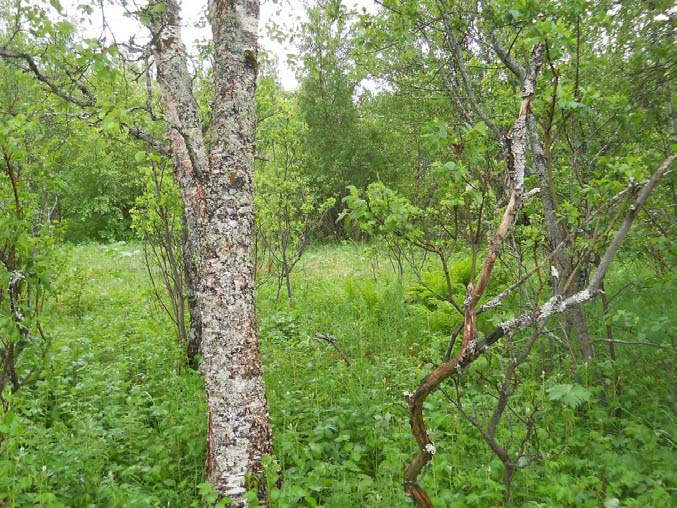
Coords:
pixel 507 483
pixel 287 277
pixel 556 235
pixel 188 152
pixel 618 387
pixel 190 268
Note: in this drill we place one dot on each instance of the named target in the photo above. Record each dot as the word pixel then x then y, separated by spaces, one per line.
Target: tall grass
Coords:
pixel 116 420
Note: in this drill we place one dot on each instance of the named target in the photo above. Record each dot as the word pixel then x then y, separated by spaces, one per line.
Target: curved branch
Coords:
pixel 557 304
pixel 517 143
pixel 472 350
pixel 87 100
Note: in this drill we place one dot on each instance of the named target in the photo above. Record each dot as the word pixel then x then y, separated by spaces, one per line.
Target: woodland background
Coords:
pixel 379 184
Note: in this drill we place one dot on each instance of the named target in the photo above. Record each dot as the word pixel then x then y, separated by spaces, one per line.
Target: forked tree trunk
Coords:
pixel 217 188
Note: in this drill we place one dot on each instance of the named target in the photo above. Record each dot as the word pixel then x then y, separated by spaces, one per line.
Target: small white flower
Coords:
pixel 430 448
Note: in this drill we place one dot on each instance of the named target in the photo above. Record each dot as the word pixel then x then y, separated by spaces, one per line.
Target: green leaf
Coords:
pixel 57 5
pixel 572 395
pixel 145 19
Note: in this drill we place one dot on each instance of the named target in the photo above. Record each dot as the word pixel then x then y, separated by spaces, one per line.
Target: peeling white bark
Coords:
pixel 557 304
pixel 217 187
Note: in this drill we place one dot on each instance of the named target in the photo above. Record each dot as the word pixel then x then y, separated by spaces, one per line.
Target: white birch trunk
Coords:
pixel 217 188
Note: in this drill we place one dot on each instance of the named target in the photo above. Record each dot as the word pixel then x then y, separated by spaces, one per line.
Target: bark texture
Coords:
pixel 217 187
pixel 187 149
pixel 516 142
pixel 555 232
pixel 239 434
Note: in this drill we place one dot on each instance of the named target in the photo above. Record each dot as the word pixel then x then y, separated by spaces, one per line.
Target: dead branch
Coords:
pixel 334 342
pixel 557 304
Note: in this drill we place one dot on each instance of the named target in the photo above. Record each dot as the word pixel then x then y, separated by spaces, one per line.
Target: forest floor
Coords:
pixel 116 420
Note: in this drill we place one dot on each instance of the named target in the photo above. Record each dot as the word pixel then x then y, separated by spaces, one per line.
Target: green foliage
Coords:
pixel 115 420
pixel 569 394
pixel 341 146
pixel 102 181
pixel 289 211
pixel 342 436
pixel 382 211
pixel 160 201
pixel 341 433
pixel 211 497
pixel 157 221
pixel 27 234
pixel 112 421
pixel 77 107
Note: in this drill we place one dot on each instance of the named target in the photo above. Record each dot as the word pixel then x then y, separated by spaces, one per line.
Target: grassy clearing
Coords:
pixel 116 422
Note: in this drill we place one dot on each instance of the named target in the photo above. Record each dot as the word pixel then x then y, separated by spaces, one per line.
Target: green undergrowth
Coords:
pixel 116 421
pixel 112 422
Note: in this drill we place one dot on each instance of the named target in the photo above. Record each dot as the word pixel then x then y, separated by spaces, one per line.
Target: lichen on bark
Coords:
pixel 217 187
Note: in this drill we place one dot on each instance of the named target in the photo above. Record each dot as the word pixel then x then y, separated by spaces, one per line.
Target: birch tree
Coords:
pixel 213 169
pixel 216 182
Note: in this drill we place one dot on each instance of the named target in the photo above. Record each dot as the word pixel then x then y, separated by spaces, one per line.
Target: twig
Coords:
pixel 631 343
pixel 334 342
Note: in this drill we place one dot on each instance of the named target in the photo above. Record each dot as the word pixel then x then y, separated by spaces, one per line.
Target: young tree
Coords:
pixel 288 209
pixel 28 162
pixel 569 137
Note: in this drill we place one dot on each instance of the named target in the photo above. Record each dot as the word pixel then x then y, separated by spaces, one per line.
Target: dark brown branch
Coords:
pixel 334 342
pixel 87 100
pixel 147 138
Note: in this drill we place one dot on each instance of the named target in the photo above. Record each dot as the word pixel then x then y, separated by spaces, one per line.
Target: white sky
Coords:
pixel 287 14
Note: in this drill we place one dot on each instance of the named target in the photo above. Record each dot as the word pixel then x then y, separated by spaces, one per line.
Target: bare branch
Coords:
pixel 334 342
pixel 505 57
pixel 632 343
pixel 148 138
pixel 556 304
pixel 455 48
